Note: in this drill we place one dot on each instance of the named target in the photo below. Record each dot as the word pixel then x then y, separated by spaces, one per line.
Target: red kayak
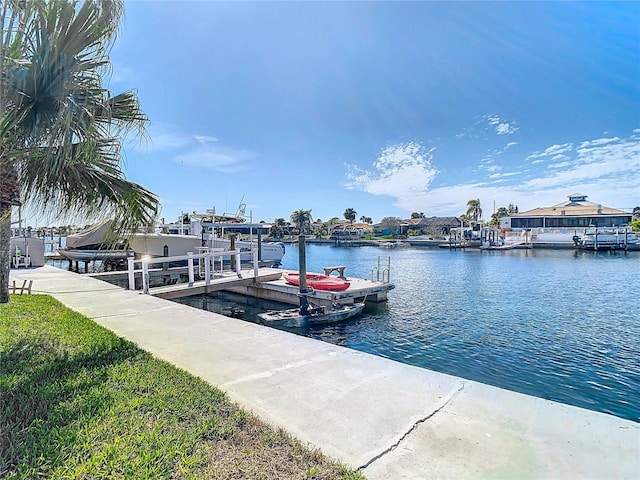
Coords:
pixel 318 281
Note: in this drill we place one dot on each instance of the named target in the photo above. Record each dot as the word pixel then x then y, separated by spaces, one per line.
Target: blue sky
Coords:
pixel 385 107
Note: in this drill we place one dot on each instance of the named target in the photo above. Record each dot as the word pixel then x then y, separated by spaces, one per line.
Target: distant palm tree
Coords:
pixel 302 220
pixel 350 214
pixel 365 219
pixel 473 209
pixel 277 228
pixel 60 130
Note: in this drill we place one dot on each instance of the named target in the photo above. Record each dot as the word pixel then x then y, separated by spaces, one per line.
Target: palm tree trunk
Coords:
pixel 5 250
pixel 8 197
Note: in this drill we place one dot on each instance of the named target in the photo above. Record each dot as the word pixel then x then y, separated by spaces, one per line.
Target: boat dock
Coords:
pixel 208 272
pixel 226 281
pixel 278 290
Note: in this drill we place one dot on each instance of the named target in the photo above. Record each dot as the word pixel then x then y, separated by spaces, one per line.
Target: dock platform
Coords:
pixel 278 290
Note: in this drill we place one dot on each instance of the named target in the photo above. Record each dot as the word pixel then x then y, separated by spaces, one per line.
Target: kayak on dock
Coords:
pixel 318 281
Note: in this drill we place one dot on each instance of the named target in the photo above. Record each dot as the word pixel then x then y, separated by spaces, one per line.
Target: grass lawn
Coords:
pixel 76 401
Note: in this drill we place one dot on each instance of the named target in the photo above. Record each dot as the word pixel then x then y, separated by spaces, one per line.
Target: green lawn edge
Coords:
pixel 77 401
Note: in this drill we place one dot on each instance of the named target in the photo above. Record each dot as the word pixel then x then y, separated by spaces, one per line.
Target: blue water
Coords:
pixel 557 324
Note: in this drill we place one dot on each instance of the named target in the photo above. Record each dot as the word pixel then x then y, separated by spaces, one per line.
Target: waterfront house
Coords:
pixel 562 224
pixel 576 213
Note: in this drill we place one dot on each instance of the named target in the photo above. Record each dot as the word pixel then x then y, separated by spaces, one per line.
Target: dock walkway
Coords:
pixel 222 282
pixel 391 420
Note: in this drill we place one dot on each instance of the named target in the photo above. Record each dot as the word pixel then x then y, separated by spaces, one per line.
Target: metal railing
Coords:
pixel 206 260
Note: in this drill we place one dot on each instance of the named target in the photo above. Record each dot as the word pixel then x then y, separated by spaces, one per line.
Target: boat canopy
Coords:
pixel 95 235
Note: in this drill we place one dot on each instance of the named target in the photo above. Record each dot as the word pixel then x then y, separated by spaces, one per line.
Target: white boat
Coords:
pixel 166 240
pixel 594 239
pixel 197 232
pixel 389 244
pixel 498 246
pixel 169 244
pixel 315 315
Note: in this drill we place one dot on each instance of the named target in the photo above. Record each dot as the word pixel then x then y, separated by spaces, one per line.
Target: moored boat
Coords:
pixel 607 239
pixel 318 281
pixel 294 317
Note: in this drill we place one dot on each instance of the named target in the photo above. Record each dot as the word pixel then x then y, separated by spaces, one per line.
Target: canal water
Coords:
pixel 557 324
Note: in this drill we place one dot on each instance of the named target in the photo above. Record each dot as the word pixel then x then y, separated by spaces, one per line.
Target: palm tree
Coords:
pixel 474 210
pixel 350 214
pixel 365 219
pixel 302 220
pixel 60 130
pixel 495 218
pixel 277 228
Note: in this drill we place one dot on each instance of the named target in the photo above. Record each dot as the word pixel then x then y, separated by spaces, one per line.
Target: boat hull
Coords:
pixel 292 317
pixel 82 255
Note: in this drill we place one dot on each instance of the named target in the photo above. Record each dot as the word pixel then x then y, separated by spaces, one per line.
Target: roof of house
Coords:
pixel 439 221
pixel 576 205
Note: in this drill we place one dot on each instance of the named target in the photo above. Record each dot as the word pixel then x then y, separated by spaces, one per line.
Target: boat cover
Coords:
pixel 94 235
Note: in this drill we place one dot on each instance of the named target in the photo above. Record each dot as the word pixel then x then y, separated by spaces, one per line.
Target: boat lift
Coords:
pixel 206 260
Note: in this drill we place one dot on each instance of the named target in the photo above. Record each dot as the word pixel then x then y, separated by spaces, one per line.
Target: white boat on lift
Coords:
pixel 199 234
pixel 607 239
pixel 191 234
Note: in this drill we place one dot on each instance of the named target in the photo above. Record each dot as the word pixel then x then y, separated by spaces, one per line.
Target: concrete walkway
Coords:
pixel 392 420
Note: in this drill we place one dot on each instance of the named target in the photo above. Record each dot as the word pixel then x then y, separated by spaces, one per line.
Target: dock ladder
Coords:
pixel 382 272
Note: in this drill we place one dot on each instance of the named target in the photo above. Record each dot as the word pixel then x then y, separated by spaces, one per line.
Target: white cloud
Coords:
pixel 204 139
pixel 608 172
pixel 162 137
pixel 599 141
pixel 560 165
pixel 506 129
pixel 503 175
pixel 612 165
pixel 489 164
pixel 551 151
pixel 400 171
pixel 501 126
pixel 196 150
pixel 214 157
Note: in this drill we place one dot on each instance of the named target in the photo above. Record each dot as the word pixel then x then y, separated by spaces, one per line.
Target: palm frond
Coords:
pixel 86 181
